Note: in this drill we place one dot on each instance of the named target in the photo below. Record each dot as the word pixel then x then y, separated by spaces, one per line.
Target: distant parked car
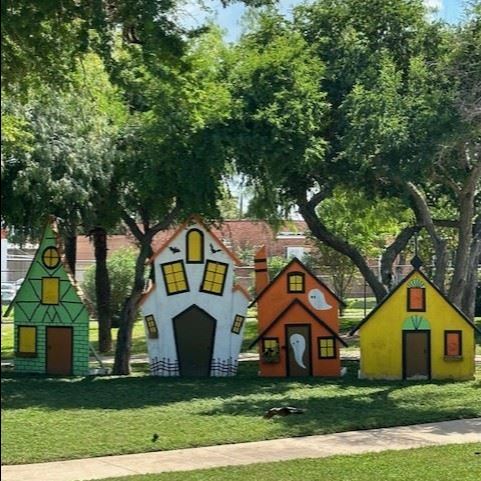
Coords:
pixel 8 292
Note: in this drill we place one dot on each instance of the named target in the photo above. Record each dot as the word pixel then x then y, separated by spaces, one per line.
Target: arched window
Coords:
pixel 195 247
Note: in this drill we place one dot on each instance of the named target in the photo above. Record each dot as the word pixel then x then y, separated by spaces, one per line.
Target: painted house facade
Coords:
pixel 194 313
pixel 51 323
pixel 416 333
pixel 298 322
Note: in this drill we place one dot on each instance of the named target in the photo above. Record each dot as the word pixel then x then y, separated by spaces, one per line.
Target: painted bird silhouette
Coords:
pixel 214 251
pixel 174 250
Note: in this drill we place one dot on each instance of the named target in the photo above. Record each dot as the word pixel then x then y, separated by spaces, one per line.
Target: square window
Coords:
pixel 327 347
pixel 214 278
pixel 453 346
pixel 295 282
pixel 270 350
pixel 50 290
pixel 27 341
pixel 175 278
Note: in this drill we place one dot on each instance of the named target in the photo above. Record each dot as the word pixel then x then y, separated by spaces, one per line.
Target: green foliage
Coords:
pixel 59 151
pixel 275 264
pixel 121 267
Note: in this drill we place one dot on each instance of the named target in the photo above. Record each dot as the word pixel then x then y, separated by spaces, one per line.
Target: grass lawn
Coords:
pixel 440 463
pixel 56 418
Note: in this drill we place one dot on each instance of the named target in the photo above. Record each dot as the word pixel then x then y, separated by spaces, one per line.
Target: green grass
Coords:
pixel 440 463
pixel 53 418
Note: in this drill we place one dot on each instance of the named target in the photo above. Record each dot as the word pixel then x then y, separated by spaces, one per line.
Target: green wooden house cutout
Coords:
pixel 51 323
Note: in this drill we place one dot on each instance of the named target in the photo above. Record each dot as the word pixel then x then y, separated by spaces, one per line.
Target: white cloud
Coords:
pixel 436 5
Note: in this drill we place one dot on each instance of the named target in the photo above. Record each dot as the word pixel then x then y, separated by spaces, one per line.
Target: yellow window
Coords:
pixel 50 290
pixel 51 257
pixel 27 341
pixel 214 277
pixel 270 350
pixel 152 331
pixel 327 348
pixel 195 246
pixel 175 278
pixel 295 282
pixel 237 324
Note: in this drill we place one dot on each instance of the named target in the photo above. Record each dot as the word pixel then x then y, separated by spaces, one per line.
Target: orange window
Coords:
pixel 416 299
pixel 453 343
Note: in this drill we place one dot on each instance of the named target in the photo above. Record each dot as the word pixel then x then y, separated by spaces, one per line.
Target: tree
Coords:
pixel 172 157
pixel 384 109
pixel 65 165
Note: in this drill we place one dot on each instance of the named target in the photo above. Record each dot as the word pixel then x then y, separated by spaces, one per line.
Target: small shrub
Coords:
pixel 121 267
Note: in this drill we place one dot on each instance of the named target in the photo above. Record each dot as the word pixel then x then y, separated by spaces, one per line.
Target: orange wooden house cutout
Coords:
pixel 298 322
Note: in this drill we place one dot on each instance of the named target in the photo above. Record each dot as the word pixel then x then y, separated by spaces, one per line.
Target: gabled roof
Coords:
pixel 194 219
pixel 287 309
pixel 404 281
pixel 295 260
pixel 52 225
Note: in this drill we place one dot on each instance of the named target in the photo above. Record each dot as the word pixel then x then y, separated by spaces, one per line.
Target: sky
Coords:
pixel 230 18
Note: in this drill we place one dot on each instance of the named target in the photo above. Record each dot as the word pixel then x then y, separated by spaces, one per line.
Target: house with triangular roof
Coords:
pixel 194 312
pixel 51 322
pixel 298 322
pixel 416 333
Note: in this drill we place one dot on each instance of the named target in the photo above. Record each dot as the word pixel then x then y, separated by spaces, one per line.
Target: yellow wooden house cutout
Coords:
pixel 416 333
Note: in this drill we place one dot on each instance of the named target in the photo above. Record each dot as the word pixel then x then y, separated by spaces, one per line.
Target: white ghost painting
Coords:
pixel 298 344
pixel 318 300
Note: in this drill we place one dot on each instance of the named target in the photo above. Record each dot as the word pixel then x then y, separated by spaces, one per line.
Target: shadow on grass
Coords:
pixel 346 403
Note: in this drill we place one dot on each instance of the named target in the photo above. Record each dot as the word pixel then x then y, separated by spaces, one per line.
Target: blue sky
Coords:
pixel 230 18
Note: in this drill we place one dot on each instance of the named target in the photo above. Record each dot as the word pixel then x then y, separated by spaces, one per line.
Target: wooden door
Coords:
pixel 59 350
pixel 416 355
pixel 194 338
pixel 298 347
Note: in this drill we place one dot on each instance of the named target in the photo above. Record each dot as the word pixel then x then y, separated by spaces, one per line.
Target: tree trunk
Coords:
pixel 70 241
pixel 468 301
pixel 424 218
pixel 129 312
pixel 320 231
pixel 392 251
pixel 102 288
pixel 465 237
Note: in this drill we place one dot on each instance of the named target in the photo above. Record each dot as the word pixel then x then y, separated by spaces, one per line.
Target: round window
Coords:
pixel 51 257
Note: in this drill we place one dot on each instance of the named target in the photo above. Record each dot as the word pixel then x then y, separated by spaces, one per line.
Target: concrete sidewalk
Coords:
pixel 353 442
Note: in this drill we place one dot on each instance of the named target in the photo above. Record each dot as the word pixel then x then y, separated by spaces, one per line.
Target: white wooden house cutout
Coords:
pixel 194 313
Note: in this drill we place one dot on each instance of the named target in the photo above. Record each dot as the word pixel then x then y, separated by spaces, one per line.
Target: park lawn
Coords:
pixel 439 463
pixel 58 418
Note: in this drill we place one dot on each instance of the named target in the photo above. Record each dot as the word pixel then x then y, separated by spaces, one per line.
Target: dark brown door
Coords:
pixel 298 346
pixel 416 354
pixel 194 337
pixel 59 350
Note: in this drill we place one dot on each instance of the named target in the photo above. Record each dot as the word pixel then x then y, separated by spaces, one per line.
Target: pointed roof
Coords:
pixel 295 260
pixel 195 219
pixel 309 311
pixel 404 281
pixel 50 233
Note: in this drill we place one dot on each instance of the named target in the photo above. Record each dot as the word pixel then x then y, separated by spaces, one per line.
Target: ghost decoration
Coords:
pixel 318 300
pixel 298 344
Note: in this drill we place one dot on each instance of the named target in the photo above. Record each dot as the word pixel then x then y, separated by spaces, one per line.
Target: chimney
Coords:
pixel 262 276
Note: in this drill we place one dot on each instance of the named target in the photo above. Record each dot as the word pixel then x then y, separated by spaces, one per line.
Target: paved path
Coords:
pixel 353 442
